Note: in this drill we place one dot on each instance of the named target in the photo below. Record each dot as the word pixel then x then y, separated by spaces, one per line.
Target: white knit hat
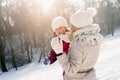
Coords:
pixel 58 22
pixel 83 18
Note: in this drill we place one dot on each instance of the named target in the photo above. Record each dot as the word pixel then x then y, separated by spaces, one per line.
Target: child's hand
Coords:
pixel 57 45
pixel 46 61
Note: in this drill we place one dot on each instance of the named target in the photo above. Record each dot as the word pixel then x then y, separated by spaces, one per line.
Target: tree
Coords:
pixel 2 44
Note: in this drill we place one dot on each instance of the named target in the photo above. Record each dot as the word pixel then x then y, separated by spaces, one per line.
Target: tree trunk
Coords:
pixel 31 51
pixel 27 48
pixel 13 59
pixel 42 53
pixel 112 24
pixel 2 56
pixel 40 56
pixel 28 53
pixel 3 66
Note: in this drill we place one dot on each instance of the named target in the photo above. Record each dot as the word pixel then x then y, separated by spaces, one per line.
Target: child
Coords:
pixel 60 28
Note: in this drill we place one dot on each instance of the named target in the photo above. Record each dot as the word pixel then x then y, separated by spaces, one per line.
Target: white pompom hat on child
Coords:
pixel 58 22
pixel 81 19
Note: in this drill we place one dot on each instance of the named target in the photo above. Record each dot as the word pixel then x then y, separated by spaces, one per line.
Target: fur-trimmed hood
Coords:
pixel 88 35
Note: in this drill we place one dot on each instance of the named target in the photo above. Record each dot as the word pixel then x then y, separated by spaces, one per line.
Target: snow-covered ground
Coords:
pixel 107 67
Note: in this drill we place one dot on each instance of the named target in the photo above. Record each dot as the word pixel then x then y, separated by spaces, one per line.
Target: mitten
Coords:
pixel 57 45
pixel 46 61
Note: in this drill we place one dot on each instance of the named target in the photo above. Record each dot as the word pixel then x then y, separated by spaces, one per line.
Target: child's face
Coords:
pixel 61 30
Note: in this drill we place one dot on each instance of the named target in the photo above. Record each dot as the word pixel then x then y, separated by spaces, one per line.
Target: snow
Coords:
pixel 107 66
pixel 34 71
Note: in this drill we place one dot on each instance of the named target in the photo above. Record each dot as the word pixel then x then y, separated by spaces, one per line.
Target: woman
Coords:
pixel 84 48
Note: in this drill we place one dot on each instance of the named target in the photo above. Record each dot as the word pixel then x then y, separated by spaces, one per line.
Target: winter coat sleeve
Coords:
pixel 52 56
pixel 71 64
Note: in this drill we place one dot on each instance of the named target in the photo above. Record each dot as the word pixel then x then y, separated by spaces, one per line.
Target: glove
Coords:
pixel 46 61
pixel 57 45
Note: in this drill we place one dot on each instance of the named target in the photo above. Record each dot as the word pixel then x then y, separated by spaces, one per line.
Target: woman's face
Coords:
pixel 61 30
pixel 73 28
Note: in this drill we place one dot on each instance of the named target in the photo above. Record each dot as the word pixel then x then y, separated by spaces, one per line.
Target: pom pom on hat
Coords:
pixel 58 22
pixel 92 11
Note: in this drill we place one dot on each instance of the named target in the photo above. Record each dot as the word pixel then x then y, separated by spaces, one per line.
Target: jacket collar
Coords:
pixel 90 29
